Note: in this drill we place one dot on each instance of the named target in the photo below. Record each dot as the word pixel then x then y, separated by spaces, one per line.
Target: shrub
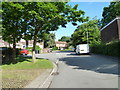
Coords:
pixel 37 47
pixel 7 54
pixel 55 48
pixel 111 49
pixel 30 48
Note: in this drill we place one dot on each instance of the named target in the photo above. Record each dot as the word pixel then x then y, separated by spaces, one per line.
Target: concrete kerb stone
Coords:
pixel 44 80
pixel 48 81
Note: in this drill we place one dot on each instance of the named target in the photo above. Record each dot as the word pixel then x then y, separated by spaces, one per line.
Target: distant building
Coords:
pixel 61 45
pixel 21 44
pixel 111 31
pixel 3 43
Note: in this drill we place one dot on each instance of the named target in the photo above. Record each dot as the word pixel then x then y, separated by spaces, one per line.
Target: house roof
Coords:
pixel 60 42
pixel 110 23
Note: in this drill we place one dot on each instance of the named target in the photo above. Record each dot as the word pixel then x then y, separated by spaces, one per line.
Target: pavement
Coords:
pixel 44 80
pixel 39 81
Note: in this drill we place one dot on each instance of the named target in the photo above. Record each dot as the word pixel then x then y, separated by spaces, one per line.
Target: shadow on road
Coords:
pixel 93 63
pixel 66 51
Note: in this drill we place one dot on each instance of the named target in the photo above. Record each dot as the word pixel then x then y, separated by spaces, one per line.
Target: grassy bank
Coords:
pixel 20 74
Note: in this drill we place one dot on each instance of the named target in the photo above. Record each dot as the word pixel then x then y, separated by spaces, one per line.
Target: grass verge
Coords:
pixel 20 74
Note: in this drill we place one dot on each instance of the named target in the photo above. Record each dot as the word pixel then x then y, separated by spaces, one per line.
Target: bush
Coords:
pixel 7 54
pixel 111 49
pixel 37 47
pixel 30 48
pixel 55 48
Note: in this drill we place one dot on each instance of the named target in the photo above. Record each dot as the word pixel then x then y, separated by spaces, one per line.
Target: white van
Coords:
pixel 82 49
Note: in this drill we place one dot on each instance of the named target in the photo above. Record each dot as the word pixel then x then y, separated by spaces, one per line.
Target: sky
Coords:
pixel 91 9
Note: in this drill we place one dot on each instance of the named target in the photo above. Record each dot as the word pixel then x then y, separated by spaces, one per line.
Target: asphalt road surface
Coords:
pixel 83 71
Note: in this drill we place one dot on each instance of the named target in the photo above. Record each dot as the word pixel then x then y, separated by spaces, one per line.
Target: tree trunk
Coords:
pixel 14 53
pixel 26 43
pixel 9 45
pixel 33 50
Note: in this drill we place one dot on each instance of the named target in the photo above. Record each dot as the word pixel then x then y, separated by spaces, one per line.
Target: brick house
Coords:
pixel 4 44
pixel 21 44
pixel 61 45
pixel 111 31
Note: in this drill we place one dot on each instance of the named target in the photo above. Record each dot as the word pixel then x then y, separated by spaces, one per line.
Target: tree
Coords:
pixel 65 38
pixel 1 28
pixel 49 41
pixel 11 21
pixel 110 12
pixel 80 34
pixel 48 16
pixel 38 17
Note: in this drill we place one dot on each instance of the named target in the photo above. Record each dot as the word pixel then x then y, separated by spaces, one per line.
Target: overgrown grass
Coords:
pixel 22 73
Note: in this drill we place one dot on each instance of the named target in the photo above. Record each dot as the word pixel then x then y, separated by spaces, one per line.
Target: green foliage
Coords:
pixel 37 47
pixel 80 34
pixel 30 48
pixel 11 21
pixel 110 12
pixel 111 49
pixel 29 20
pixel 65 38
pixel 49 41
pixel 55 48
pixel 26 22
pixel 7 54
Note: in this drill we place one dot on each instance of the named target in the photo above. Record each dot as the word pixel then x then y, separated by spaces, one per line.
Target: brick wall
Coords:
pixel 111 32
pixel 119 27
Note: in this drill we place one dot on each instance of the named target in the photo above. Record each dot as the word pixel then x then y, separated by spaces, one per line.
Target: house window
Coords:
pixel 24 46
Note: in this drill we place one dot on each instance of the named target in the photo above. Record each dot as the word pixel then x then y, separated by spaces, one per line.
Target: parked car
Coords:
pixel 24 52
pixel 82 49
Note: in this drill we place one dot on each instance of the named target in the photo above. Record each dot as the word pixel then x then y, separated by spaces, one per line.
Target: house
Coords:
pixel 61 45
pixel 3 43
pixel 21 44
pixel 111 31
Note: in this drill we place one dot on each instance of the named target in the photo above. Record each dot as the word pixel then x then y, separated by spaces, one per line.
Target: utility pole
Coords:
pixel 87 37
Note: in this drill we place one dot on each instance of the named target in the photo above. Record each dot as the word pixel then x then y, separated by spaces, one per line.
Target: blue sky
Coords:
pixel 91 9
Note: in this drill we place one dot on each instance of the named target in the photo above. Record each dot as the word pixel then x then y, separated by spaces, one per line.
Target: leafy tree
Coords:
pixel 65 38
pixel 49 41
pixel 80 34
pixel 110 12
pixel 48 16
pixel 1 28
pixel 30 19
pixel 11 22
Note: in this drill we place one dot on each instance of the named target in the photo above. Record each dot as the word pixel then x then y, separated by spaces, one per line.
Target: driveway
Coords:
pixel 83 71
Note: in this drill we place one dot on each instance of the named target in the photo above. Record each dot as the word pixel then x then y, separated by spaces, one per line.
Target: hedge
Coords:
pixel 30 48
pixel 111 49
pixel 7 54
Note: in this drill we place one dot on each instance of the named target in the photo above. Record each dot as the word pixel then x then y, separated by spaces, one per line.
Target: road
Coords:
pixel 83 71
